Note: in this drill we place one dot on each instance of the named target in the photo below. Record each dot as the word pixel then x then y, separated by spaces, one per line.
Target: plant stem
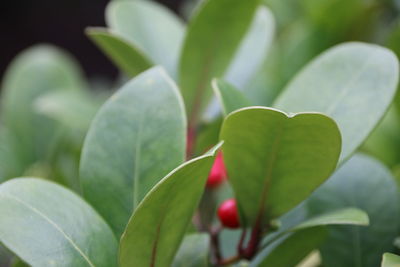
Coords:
pixel 240 248
pixel 229 260
pixel 215 245
pixel 191 140
pixel 253 244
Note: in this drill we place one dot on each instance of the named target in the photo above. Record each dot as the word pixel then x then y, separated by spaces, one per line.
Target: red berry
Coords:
pixel 217 174
pixel 228 214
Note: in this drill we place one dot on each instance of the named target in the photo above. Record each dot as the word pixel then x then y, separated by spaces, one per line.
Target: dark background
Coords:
pixel 28 22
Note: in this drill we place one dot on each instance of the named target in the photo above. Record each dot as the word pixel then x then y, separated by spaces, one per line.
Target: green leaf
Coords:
pixel 253 49
pixel 11 164
pixel 291 249
pixel 158 225
pixel 6 257
pixel 74 110
pixel 345 216
pixel 354 83
pixel 384 138
pixel 275 161
pixel 193 251
pixel 124 54
pixel 19 263
pixel 342 216
pixel 229 238
pixel 136 138
pixel 34 72
pixel 151 27
pixel 390 260
pixel 348 14
pixel 207 136
pixel 364 183
pixel 291 222
pixel 48 225
pixel 284 60
pixel 285 11
pixel 213 36
pixel 229 97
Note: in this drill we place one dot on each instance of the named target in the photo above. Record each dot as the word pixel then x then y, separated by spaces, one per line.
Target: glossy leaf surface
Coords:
pixel 154 233
pixel 364 183
pixel 253 49
pixel 136 138
pixel 342 216
pixel 34 72
pixel 151 27
pixel 296 220
pixel 74 110
pixel 193 251
pixel 213 36
pixel 291 249
pixel 261 144
pixel 48 225
pixel 354 83
pixel 124 54
pixel 229 97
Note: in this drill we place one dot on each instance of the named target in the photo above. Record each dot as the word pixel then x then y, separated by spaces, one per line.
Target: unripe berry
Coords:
pixel 217 174
pixel 228 214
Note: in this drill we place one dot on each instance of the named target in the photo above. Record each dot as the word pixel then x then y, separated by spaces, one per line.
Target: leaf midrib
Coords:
pixel 154 249
pixel 270 163
pixel 159 226
pixel 346 88
pixel 52 223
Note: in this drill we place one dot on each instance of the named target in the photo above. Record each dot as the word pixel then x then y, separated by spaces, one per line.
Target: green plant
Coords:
pixel 293 168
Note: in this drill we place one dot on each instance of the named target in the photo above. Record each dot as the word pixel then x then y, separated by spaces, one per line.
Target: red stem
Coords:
pixel 191 140
pixel 240 248
pixel 215 245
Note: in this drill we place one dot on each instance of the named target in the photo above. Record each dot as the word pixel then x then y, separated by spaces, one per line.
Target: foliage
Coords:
pixel 129 171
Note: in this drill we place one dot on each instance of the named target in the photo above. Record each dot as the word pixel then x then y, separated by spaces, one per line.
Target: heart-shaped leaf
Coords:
pixel 124 54
pixel 136 138
pixel 158 225
pixel 213 36
pixel 151 27
pixel 364 183
pixel 36 71
pixel 253 48
pixel 48 225
pixel 275 161
pixel 193 251
pixel 354 83
pixel 390 260
pixel 291 249
pixel 229 97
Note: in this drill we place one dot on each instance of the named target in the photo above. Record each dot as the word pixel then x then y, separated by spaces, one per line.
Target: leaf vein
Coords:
pixel 52 223
pixel 347 86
